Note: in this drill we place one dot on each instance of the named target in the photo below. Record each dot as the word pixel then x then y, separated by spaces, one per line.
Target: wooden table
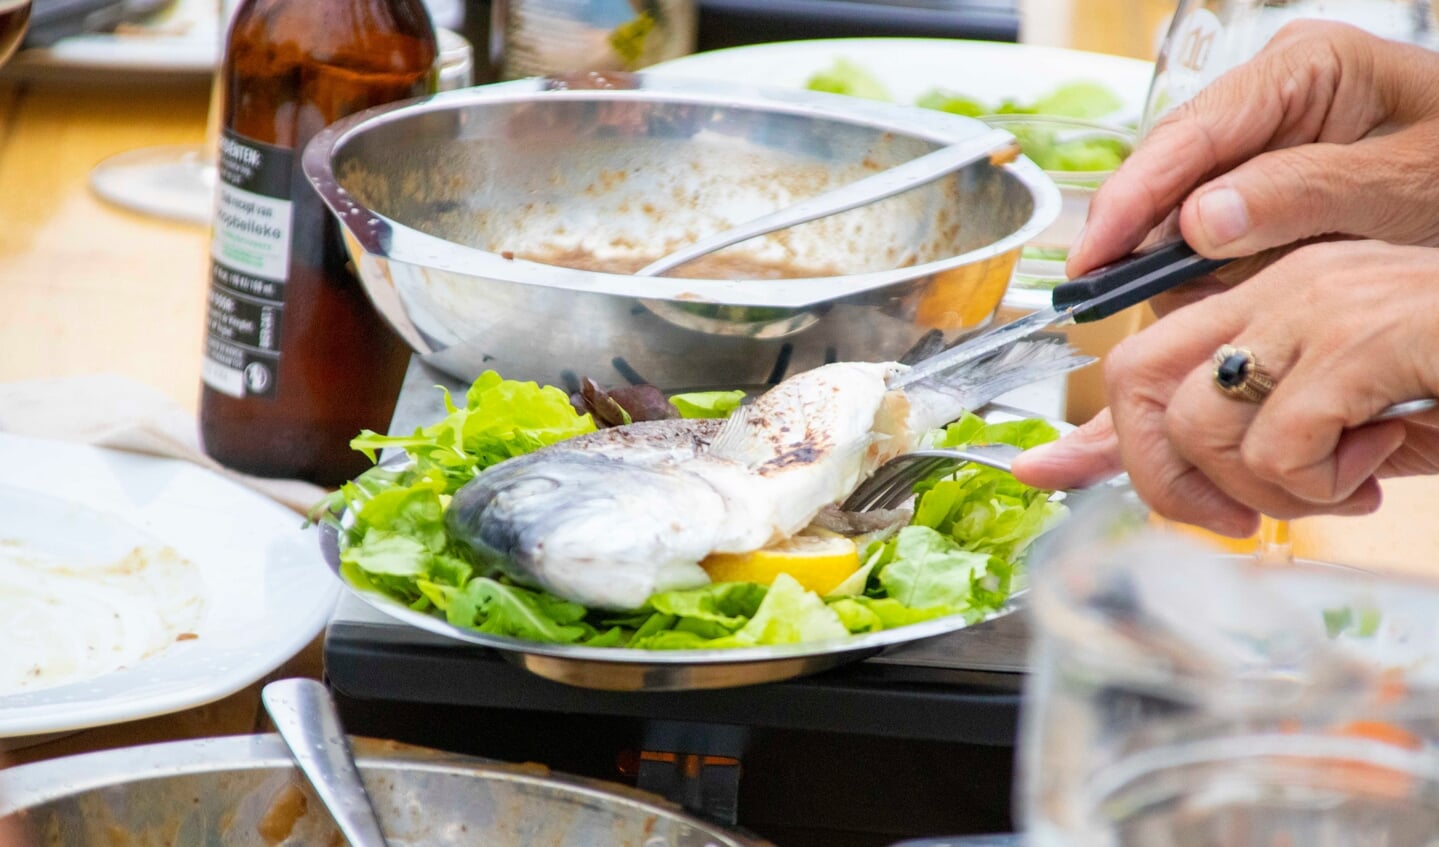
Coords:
pixel 87 287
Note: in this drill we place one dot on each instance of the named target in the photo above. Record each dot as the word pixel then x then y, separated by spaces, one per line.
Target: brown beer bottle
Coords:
pixel 297 360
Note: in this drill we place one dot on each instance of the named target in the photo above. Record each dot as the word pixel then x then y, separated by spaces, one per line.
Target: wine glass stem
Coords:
pixel 1274 545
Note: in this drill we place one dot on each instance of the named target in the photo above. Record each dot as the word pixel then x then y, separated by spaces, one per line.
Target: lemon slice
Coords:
pixel 819 564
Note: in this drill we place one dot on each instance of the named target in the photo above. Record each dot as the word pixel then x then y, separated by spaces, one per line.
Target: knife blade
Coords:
pixel 1098 294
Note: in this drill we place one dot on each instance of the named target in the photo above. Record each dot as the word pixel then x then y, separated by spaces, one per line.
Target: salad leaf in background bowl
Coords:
pixel 846 77
pixel 1084 99
pixel 1079 156
pixel 1055 147
pixel 1057 130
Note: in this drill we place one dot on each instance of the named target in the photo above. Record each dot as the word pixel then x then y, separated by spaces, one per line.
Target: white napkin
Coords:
pixel 110 410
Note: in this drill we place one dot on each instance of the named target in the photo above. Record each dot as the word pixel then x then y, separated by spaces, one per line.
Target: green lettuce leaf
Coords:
pixel 501 419
pixel 846 77
pixel 495 607
pixel 983 509
pixel 729 604
pixel 1084 100
pixel 956 104
pixel 708 404
pixel 930 570
pixel 789 614
pixel 870 614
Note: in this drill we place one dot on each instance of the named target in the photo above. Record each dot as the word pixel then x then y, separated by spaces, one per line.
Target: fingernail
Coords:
pixel 1223 215
pixel 1077 245
pixel 1041 449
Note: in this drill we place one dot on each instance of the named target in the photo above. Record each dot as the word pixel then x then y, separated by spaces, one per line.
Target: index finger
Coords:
pixel 1282 97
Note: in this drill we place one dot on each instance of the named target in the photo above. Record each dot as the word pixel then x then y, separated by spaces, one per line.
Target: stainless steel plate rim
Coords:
pixel 629 669
pixel 825 654
pixel 405 244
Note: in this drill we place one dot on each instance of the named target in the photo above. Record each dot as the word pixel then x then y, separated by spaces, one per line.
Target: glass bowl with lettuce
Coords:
pixel 1079 156
pixel 1068 132
pixel 841 590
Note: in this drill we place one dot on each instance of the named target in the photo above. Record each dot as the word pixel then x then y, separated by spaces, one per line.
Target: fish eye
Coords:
pixel 527 487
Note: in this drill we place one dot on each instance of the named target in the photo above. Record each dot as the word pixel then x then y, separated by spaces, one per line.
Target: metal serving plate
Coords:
pixel 626 669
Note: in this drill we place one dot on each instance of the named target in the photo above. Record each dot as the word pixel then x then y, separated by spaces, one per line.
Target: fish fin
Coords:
pixel 733 437
pixel 972 383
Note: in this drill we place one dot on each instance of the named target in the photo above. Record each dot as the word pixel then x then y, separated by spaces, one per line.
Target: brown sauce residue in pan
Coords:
pixel 713 266
pixel 284 811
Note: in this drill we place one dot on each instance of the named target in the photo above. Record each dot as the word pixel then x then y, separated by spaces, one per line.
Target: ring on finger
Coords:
pixel 1238 373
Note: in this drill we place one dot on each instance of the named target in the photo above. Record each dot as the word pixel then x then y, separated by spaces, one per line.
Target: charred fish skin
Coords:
pixel 609 518
pixel 583 524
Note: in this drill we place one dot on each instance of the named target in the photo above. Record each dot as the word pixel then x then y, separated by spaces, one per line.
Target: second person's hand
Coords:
pixel 1344 328
pixel 1327 131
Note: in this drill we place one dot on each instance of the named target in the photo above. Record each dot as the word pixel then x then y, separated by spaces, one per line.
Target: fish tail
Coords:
pixel 971 383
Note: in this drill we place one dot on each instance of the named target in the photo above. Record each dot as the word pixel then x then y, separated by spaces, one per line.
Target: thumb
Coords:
pixel 1369 189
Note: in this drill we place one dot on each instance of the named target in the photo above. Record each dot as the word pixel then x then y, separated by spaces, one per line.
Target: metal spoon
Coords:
pixel 305 715
pixel 997 145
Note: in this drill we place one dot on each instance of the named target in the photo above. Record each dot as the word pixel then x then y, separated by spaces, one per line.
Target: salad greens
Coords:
pixel 846 77
pixel 707 404
pixel 958 555
pixel 1083 100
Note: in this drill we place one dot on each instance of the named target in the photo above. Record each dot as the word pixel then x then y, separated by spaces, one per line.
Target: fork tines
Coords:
pixel 893 483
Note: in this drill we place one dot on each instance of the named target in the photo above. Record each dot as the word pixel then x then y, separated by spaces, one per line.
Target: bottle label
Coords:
pixel 249 265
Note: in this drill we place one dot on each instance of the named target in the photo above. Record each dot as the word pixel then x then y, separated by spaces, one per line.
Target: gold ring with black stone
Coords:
pixel 1238 374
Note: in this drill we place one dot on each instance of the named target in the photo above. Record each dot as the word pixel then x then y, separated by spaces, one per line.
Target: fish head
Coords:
pixel 589 528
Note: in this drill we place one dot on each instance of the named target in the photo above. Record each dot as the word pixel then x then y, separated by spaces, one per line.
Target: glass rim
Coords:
pixel 1311 752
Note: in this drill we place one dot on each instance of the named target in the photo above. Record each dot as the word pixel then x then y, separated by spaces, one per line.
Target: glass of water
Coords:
pixel 1180 696
pixel 1208 37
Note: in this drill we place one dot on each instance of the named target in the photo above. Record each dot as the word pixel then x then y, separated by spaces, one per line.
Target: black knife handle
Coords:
pixel 1117 286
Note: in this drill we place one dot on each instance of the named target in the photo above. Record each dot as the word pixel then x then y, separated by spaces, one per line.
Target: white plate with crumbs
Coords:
pixel 133 586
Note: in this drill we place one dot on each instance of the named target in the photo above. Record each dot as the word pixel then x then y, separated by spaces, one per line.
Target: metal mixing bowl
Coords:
pixel 440 200
pixel 243 791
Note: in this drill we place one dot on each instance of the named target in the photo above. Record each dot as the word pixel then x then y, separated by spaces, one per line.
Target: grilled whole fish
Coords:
pixel 609 518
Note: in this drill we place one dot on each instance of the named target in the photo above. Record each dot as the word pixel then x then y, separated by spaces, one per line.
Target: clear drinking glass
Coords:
pixel 174 181
pixel 1179 696
pixel 177 181
pixel 1208 37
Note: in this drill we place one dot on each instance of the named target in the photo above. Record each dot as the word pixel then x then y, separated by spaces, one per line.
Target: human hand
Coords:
pixel 1346 329
pixel 1328 130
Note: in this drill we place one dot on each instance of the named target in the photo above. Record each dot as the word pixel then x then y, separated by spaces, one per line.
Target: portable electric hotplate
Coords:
pixel 914 741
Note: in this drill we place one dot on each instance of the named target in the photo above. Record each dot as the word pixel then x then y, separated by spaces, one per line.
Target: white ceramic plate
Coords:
pixel 909 67
pixel 183 40
pixel 250 589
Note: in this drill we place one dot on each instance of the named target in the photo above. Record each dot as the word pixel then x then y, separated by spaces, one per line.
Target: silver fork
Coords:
pixel 894 481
